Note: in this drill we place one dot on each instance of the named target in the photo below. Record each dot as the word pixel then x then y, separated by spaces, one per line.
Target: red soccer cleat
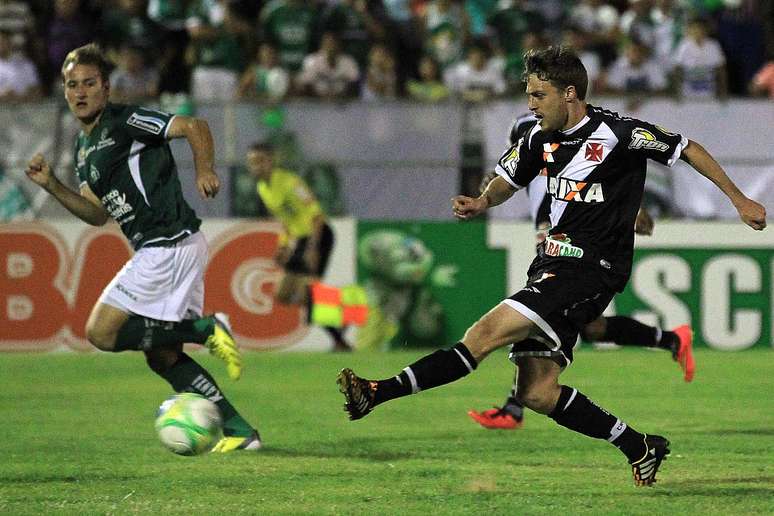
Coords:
pixel 684 355
pixel 496 419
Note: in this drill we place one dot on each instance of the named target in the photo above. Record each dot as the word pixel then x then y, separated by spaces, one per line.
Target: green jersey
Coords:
pixel 289 27
pixel 126 161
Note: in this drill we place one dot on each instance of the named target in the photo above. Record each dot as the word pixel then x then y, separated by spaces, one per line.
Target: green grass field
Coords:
pixel 78 438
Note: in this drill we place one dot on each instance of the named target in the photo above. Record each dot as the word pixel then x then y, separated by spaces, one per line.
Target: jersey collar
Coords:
pixel 576 126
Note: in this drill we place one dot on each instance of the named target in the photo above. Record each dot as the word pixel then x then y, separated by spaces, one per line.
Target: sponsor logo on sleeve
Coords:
pixel 149 124
pixel 510 160
pixel 644 139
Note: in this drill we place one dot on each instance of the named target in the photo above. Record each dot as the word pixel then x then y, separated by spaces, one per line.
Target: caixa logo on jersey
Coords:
pixel 578 191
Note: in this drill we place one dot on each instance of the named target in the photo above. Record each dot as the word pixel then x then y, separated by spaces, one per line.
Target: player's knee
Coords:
pixel 487 335
pixel 480 339
pixel 594 331
pixel 161 360
pixel 537 397
pixel 99 338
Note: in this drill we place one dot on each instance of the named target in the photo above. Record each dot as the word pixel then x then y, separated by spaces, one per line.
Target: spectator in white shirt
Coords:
pixel 600 21
pixel 636 23
pixel 700 63
pixel 19 80
pixel 476 79
pixel 329 73
pixel 635 72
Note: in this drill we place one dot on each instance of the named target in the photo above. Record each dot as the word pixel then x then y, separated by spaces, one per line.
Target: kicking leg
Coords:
pixel 499 327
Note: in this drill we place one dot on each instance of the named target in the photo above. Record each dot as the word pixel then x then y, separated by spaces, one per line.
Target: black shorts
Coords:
pixel 560 297
pixel 296 263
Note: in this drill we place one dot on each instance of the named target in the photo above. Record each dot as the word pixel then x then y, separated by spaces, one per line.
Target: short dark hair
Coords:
pixel 266 147
pixel 90 54
pixel 558 65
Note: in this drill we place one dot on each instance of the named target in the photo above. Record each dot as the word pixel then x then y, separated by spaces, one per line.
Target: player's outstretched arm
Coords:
pixel 199 137
pixel 752 213
pixel 497 192
pixel 85 206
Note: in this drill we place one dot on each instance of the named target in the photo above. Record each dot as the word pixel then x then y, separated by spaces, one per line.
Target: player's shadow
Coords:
pixel 377 449
pixel 737 431
pixel 719 487
pixel 63 479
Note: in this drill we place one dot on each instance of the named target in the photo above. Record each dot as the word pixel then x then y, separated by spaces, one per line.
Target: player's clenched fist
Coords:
pixel 208 184
pixel 465 207
pixel 39 171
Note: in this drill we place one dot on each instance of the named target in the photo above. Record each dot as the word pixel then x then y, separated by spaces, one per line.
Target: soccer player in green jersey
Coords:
pixel 127 172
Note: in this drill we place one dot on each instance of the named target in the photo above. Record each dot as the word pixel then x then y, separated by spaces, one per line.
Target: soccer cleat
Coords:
pixel 233 443
pixel 496 419
pixel 644 469
pixel 684 353
pixel 221 344
pixel 358 392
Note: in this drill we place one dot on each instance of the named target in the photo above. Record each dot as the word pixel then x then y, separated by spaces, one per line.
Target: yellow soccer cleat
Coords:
pixel 221 344
pixel 229 444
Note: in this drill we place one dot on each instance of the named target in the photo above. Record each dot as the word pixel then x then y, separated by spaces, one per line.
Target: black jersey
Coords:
pixel 595 176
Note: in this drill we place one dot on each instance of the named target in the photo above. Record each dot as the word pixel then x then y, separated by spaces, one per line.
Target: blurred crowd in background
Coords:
pixel 189 55
pixel 429 50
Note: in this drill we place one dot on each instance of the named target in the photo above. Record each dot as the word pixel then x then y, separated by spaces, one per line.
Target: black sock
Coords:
pixel 626 331
pixel 669 340
pixel 438 368
pixel 336 334
pixel 576 412
pixel 142 334
pixel 513 406
pixel 188 376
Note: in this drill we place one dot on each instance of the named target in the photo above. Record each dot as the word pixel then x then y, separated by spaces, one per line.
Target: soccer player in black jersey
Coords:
pixel 621 330
pixel 594 163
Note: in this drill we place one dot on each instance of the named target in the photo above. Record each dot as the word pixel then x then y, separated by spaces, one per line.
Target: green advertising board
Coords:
pixel 430 280
pixel 714 276
pixel 724 293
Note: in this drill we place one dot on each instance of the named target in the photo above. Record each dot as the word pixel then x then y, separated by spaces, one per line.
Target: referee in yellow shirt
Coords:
pixel 307 241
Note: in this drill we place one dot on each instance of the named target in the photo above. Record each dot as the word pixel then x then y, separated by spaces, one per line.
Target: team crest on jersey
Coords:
pixel 93 173
pixel 644 139
pixel 150 124
pixel 594 152
pixel 578 191
pixel 104 140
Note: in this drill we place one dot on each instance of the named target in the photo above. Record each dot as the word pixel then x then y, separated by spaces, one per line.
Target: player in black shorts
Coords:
pixel 594 162
pixel 621 330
